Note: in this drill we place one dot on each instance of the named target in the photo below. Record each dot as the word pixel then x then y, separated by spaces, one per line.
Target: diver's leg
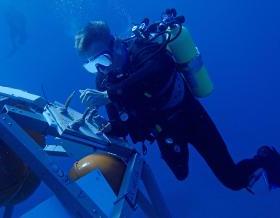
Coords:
pixel 205 137
pixel 174 146
pixel 176 156
pixel 208 142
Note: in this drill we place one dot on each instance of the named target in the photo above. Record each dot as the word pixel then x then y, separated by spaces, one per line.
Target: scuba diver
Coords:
pixel 17 30
pixel 150 83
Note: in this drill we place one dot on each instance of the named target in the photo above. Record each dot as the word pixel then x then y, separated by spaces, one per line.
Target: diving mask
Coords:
pixel 100 60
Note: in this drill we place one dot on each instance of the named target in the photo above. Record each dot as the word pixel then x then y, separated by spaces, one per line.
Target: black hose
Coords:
pixel 163 46
pixel 169 40
pixel 177 35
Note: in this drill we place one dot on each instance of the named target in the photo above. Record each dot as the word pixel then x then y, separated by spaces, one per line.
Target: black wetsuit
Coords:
pixel 186 123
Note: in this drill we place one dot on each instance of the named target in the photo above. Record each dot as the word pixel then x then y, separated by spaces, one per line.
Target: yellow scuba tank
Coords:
pixel 188 58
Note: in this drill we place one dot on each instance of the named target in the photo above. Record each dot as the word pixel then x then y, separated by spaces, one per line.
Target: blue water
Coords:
pixel 240 43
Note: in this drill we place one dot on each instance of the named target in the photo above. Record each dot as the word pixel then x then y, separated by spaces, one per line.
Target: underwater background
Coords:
pixel 240 43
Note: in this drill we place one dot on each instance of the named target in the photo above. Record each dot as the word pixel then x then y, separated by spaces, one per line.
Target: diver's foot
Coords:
pixel 270 159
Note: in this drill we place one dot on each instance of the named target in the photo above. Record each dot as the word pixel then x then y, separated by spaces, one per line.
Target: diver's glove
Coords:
pixel 94 98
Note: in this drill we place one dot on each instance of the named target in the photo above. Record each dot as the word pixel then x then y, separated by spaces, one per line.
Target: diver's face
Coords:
pixel 97 55
pixel 96 49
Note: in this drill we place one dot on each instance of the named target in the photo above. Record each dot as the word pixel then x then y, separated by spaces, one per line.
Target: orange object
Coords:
pixel 111 167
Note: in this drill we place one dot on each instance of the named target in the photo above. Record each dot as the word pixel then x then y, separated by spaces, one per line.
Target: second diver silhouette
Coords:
pixel 16 22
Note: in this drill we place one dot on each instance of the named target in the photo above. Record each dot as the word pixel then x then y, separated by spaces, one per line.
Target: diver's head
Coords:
pixel 95 42
pixel 94 38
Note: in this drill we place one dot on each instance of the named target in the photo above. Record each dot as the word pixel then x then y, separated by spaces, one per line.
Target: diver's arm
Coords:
pixel 130 86
pixel 118 127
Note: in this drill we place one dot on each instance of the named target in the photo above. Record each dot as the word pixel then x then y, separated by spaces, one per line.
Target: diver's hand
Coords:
pixel 94 98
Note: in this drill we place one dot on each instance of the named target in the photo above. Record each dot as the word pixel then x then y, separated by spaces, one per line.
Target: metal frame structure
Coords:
pixel 77 135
